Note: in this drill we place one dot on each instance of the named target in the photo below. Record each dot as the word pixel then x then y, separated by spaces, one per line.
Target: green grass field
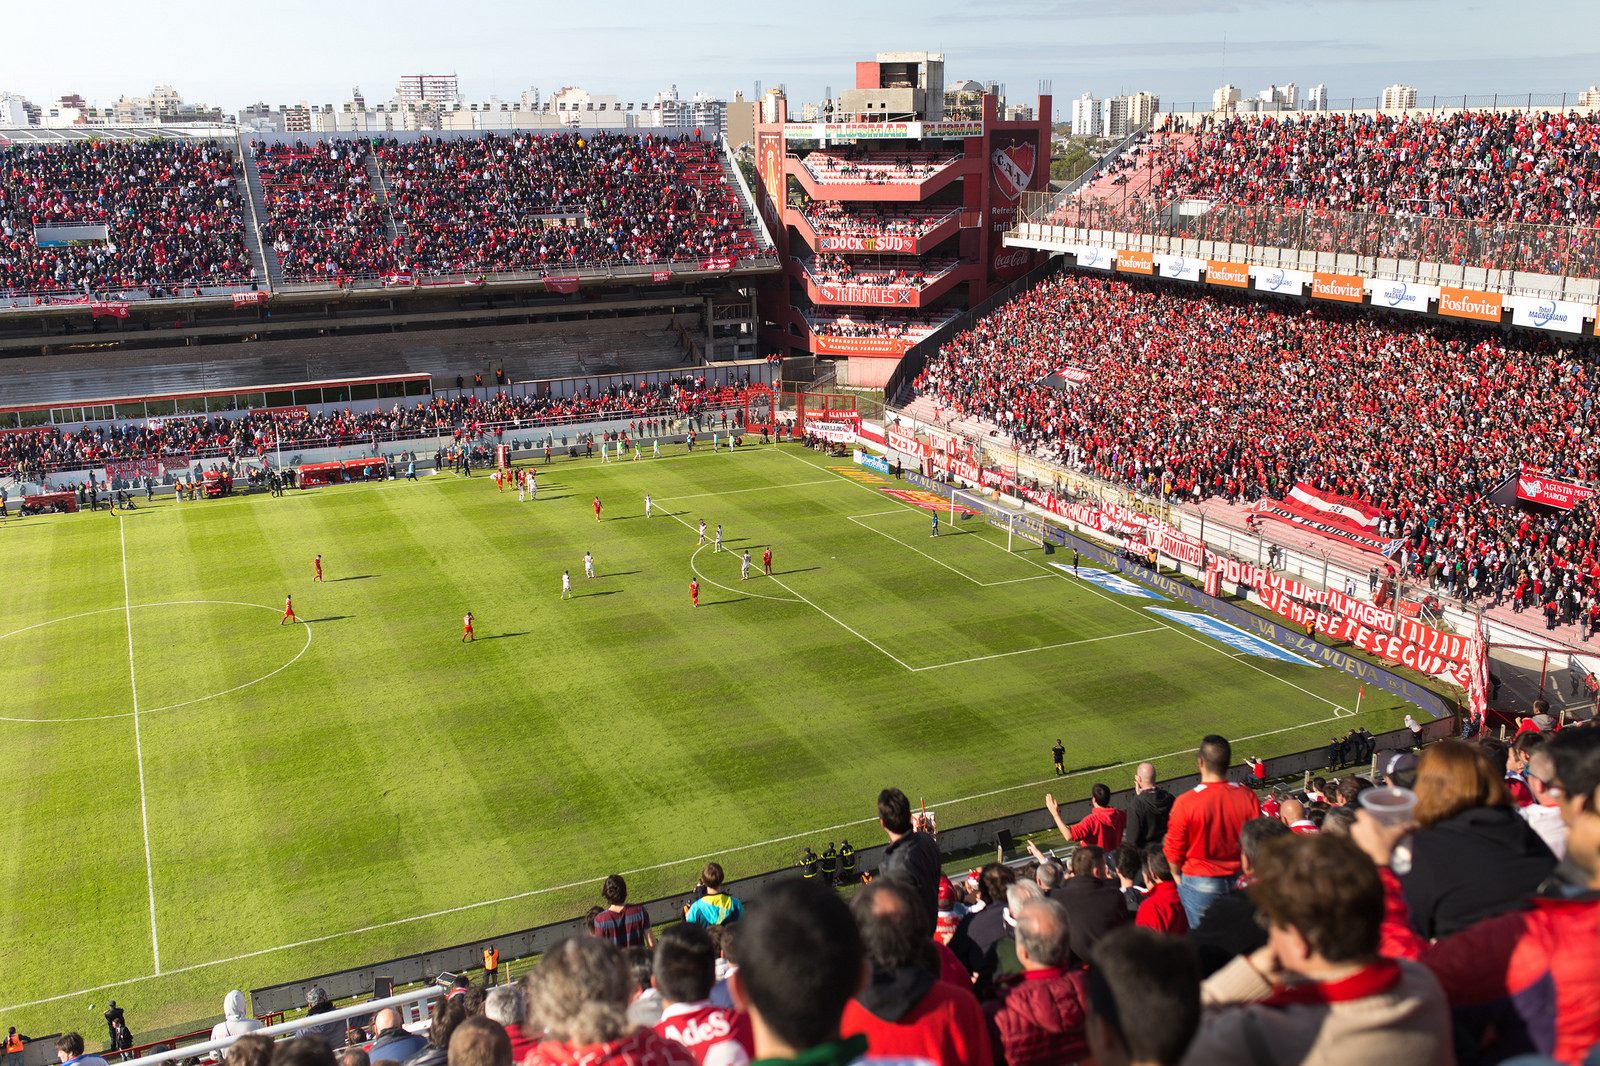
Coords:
pixel 200 799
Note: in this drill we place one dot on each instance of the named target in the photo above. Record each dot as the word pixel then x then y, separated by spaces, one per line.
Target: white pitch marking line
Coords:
pixel 1043 647
pixel 444 912
pixel 138 745
pixel 845 626
pixel 725 588
pixel 954 570
pixel 1091 588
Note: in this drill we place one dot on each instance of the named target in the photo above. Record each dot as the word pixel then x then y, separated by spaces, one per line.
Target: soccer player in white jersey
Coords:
pixel 648 503
pixel 566 585
pixel 744 566
pixel 702 531
pixel 588 565
pixel 719 538
pixel 655 449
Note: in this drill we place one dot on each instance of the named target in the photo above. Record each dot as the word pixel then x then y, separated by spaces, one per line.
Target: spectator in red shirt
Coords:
pixel 1039 1020
pixel 904 1009
pixel 1294 815
pixel 685 971
pixel 1202 843
pixel 1162 909
pixel 1102 826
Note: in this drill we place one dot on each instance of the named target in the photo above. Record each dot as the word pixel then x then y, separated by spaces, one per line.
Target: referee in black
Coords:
pixel 1059 754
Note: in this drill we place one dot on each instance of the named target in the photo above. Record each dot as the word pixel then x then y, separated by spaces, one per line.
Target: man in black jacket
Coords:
pixel 1148 811
pixel 1094 904
pixel 912 857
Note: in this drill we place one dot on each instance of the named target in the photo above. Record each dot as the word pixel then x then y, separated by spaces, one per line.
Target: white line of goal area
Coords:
pixel 1340 710
pixel 596 878
pixel 138 743
pixel 857 519
pixel 796 597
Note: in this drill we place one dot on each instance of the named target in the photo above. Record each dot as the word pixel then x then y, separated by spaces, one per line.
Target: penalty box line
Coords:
pixel 590 881
pixel 1340 709
pixel 856 518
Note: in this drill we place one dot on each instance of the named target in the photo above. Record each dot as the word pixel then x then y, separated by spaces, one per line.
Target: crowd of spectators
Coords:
pixel 1284 924
pixel 1201 395
pixel 906 325
pixel 28 454
pixel 324 219
pixel 829 269
pixel 834 218
pixel 529 202
pixel 859 165
pixel 172 211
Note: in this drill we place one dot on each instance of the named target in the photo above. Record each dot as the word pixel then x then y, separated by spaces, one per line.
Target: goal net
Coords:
pixel 1015 522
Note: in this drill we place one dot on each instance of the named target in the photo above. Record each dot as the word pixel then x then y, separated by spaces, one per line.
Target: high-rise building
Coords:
pixel 439 90
pixel 13 110
pixel 741 120
pixel 769 103
pixel 1114 118
pixel 1086 116
pixel 1317 98
pixel 1142 108
pixel 1225 98
pixel 1399 97
pixel 1280 97
pixel 1590 97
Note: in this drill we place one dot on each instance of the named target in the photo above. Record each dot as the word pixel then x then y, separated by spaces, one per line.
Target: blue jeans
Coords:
pixel 1198 894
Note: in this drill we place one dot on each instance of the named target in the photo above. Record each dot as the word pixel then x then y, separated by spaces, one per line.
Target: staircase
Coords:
pixel 747 200
pixel 261 253
pixel 380 189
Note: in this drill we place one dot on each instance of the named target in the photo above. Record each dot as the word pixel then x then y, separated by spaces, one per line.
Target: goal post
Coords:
pixel 1017 524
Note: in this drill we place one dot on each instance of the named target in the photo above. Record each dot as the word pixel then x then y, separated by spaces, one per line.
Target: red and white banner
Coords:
pixel 562 285
pixel 870 295
pixel 107 308
pixel 398 279
pixel 1332 505
pixel 882 347
pixel 1536 487
pixel 718 262
pixel 1478 684
pixel 837 432
pixel 885 242
pixel 658 276
pixel 249 299
pixel 904 443
pixel 134 469
pixel 1332 515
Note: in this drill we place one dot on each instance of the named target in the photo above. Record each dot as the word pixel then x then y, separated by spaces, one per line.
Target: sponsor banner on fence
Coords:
pixel 1346 288
pixel 1175 544
pixel 1131 261
pixel 950 130
pixel 134 469
pixel 563 285
pixel 109 308
pixel 871 295
pixel 888 242
pixel 718 262
pixel 246 299
pixel 904 443
pixel 1277 279
pixel 1537 487
pixel 837 432
pixel 1111 581
pixel 1177 266
pixel 928 501
pixel 658 276
pixel 1232 636
pixel 1470 303
pixel 1092 256
pixel 1559 316
pixel 1224 272
pixel 871 462
pixel 1401 295
pixel 882 347
pixel 398 279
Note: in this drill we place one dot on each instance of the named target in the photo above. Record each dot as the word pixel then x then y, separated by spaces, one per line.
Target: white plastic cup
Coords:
pixel 1390 805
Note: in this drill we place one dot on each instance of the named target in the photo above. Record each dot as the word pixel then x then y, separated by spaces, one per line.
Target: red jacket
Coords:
pixel 1532 978
pixel 1203 829
pixel 1162 910
pixel 1041 1019
pixel 1102 827
pixel 946 1025
pixel 642 1047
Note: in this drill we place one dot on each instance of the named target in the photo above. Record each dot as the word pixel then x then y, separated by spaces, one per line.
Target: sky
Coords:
pixel 317 50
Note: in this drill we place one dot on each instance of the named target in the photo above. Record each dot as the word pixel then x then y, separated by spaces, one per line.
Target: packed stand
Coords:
pixel 1442 908
pixel 861 166
pixel 323 216
pixel 907 326
pixel 29 454
pixel 172 210
pixel 1211 395
pixel 528 203
pixel 831 218
pixel 829 269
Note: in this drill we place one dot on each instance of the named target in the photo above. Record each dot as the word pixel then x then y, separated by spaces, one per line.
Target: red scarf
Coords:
pixel 1379 977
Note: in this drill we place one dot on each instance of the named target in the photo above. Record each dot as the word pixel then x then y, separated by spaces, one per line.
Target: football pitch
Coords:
pixel 201 799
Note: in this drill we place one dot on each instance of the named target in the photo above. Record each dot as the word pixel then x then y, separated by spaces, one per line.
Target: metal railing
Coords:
pixel 1099 166
pixel 1431 103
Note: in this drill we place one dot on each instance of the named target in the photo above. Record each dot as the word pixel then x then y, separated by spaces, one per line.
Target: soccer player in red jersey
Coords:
pixel 694 592
pixel 466 628
pixel 766 561
pixel 317 566
pixel 288 612
pixel 597 508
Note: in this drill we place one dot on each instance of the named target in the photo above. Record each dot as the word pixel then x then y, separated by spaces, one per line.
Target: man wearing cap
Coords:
pixel 1397 768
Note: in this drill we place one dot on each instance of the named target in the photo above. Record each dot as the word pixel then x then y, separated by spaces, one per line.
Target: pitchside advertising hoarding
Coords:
pixel 1401 295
